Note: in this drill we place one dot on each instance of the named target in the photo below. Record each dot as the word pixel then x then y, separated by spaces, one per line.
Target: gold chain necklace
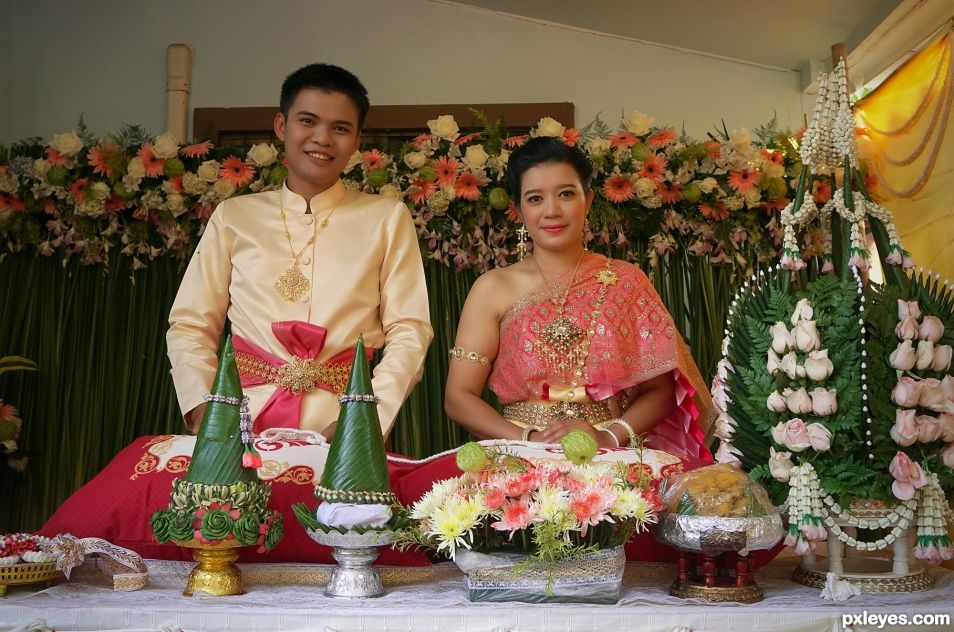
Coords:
pixel 292 284
pixel 561 334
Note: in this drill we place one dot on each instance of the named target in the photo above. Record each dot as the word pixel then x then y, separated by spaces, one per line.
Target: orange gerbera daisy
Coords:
pixel 420 190
pixel 466 138
pixel 714 211
pixel 468 186
pixel 619 189
pixel 236 171
pixel 78 190
pixel 419 140
pixel 654 168
pixel 821 191
pixel 374 159
pixel 669 192
pixel 55 158
pixel 622 139
pixel 773 155
pixel 12 203
pixel 514 141
pixel 571 136
pixel 800 133
pixel 775 205
pixel 512 213
pixel 744 179
pixel 446 169
pixel 662 137
pixel 197 150
pixel 101 156
pixel 176 184
pixel 150 161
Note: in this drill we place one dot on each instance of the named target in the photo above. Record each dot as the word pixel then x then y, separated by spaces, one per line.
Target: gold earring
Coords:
pixel 522 234
pixel 585 233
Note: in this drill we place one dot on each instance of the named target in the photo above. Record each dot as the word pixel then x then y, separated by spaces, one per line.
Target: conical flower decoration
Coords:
pixel 356 470
pixel 221 456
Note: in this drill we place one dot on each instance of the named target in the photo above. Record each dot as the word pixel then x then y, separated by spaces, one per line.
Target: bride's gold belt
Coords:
pixel 539 414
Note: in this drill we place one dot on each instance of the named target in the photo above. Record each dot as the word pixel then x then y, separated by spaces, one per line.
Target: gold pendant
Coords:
pixel 562 335
pixel 292 284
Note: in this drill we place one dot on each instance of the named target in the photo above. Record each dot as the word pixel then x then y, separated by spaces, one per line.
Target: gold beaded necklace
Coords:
pixel 292 284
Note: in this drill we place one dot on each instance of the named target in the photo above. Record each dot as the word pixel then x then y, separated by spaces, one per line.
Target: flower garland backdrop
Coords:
pixel 96 233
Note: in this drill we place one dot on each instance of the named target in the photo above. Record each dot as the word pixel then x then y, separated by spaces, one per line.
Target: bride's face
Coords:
pixel 554 205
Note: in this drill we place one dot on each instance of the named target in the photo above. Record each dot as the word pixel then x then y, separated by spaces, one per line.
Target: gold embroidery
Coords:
pixel 299 375
pixel 458 353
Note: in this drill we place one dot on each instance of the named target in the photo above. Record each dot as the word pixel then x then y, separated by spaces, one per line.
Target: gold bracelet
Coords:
pixel 619 421
pixel 525 435
pixel 458 353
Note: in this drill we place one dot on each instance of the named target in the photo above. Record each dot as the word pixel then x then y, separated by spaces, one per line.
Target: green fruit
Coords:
pixel 499 200
pixel 428 174
pixel 471 457
pixel 57 175
pixel 640 152
pixel 173 168
pixel 691 192
pixel 377 178
pixel 579 447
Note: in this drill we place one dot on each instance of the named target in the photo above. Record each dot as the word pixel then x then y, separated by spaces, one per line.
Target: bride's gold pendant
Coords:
pixel 292 284
pixel 562 335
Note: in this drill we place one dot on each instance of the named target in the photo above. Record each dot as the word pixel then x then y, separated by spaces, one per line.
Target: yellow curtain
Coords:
pixel 905 135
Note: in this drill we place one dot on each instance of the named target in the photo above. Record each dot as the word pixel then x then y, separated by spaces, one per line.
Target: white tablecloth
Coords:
pixel 288 598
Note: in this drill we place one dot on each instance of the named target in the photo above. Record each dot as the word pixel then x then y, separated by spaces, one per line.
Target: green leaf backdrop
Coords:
pixel 98 336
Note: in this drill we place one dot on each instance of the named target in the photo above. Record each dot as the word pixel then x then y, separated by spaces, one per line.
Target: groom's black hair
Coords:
pixel 546 150
pixel 327 78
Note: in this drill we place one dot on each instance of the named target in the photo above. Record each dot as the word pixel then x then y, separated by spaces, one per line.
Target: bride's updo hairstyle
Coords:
pixel 545 150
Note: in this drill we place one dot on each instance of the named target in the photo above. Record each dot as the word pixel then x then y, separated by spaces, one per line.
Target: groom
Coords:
pixel 301 272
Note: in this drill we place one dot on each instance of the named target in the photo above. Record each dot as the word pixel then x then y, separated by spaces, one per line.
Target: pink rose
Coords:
pixel 947 387
pixel 925 355
pixel 818 366
pixel 726 454
pixel 946 422
pixel 799 402
pixel 931 329
pixel 773 361
pixel 908 476
pixel 928 428
pixel 789 365
pixel 781 338
pixel 775 402
pixel 908 308
pixel 795 435
pixel 819 436
pixel 803 311
pixel 905 429
pixel 933 396
pixel 805 336
pixel 824 401
pixel 907 328
pixel 907 392
pixel 942 358
pixel 903 357
pixel 947 455
pixel 894 258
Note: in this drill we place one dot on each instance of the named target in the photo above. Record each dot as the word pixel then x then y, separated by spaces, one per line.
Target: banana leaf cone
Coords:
pixel 356 470
pixel 217 458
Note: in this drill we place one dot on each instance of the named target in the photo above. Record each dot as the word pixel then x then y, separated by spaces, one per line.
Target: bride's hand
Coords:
pixel 556 431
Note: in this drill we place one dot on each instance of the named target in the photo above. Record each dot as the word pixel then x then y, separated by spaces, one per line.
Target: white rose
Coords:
pixel 41 166
pixel 68 144
pixel 638 123
pixel 799 402
pixel 818 366
pixel 803 311
pixel 223 188
pixel 391 191
pixel 175 203
pixel 548 127
pixel 136 169
pixel 99 190
pixel 166 146
pixel 415 159
pixel 707 185
pixel 445 127
pixel 740 140
pixel 824 401
pixel 598 146
pixel 475 157
pixel 789 365
pixel 781 338
pixel 192 185
pixel 773 361
pixel 355 160
pixel 504 157
pixel 208 171
pixel 780 465
pixel 805 336
pixel 775 402
pixel 752 197
pixel 925 354
pixel 439 202
pixel 263 154
pixel 645 187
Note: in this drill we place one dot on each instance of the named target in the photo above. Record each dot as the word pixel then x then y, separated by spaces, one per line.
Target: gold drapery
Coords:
pixel 905 134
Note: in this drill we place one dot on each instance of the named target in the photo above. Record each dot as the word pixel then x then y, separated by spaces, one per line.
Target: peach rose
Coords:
pixel 942 358
pixel 908 308
pixel 928 428
pixel 907 392
pixel 905 429
pixel 903 357
pixel 819 436
pixel 931 329
pixel 907 328
pixel 824 401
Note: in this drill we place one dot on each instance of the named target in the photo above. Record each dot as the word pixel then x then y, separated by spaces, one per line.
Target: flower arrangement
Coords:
pixel 856 399
pixel 10 423
pixel 549 510
pixel 657 192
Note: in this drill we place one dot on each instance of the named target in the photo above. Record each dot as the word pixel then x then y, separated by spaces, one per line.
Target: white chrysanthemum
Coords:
pixel 552 502
pixel 631 504
pixel 453 522
pixel 429 502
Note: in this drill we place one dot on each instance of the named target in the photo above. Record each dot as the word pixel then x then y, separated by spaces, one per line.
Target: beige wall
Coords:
pixel 106 59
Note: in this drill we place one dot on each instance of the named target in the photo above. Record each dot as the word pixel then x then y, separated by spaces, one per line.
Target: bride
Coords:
pixel 568 339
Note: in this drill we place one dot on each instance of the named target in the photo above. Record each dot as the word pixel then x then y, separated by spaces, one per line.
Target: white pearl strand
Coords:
pixel 869 437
